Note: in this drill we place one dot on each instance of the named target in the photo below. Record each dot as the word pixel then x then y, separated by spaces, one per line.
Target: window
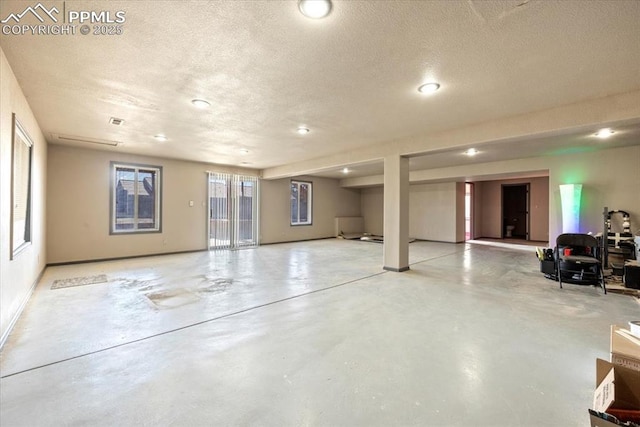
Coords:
pixel 135 198
pixel 301 203
pixel 21 189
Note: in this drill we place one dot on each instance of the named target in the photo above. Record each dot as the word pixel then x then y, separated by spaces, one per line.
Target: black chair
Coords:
pixel 577 260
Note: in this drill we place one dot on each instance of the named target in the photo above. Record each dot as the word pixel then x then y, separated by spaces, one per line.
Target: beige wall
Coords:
pixel 436 211
pixel 373 209
pixel 18 276
pixel 609 178
pixel 329 201
pixel 490 207
pixel 432 211
pixel 78 215
pixel 80 231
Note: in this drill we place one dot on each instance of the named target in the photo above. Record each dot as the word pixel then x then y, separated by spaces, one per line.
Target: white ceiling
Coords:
pixel 351 78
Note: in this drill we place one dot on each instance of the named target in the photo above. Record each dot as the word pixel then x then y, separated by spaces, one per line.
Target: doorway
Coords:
pixel 233 211
pixel 515 211
pixel 468 211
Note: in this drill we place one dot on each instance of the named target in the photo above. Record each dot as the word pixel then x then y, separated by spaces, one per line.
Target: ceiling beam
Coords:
pixel 586 116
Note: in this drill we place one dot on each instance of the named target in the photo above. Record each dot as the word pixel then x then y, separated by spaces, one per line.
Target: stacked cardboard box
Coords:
pixel 618 381
pixel 625 347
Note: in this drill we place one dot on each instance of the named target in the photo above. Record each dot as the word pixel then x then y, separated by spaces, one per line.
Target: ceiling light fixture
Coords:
pixel 244 151
pixel 345 171
pixel 315 9
pixel 200 103
pixel 303 130
pixel 471 152
pixel 604 133
pixel 160 137
pixel 428 88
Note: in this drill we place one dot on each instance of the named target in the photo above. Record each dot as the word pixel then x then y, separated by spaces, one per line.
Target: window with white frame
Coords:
pixel 21 189
pixel 301 199
pixel 135 198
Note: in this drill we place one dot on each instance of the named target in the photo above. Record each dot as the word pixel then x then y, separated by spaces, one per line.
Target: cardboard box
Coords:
pixel 625 348
pixel 617 391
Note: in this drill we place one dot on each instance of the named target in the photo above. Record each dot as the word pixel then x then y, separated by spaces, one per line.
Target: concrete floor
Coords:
pixel 312 333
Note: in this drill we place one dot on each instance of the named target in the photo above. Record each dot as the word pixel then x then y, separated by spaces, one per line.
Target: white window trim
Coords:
pixel 20 235
pixel 158 199
pixel 309 203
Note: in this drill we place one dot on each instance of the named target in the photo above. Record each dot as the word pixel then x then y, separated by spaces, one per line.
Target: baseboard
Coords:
pixel 396 270
pixel 86 261
pixel 297 241
pixel 23 304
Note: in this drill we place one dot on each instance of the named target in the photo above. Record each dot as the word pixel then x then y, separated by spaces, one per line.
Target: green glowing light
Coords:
pixel 570 198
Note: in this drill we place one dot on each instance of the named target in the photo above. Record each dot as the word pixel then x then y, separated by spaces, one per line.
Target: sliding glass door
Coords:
pixel 233 211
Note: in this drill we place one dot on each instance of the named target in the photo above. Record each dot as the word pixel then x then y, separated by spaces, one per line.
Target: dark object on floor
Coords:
pixel 577 261
pixel 547 262
pixel 617 269
pixel 632 275
pixel 548 267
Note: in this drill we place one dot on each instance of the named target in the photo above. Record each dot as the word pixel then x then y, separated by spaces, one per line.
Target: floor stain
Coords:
pixel 164 294
pixel 171 298
pixel 213 285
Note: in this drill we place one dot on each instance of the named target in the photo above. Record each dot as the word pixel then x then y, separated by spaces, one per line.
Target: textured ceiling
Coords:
pixel 351 78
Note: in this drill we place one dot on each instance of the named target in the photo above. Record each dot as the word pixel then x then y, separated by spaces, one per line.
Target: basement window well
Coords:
pixel 135 198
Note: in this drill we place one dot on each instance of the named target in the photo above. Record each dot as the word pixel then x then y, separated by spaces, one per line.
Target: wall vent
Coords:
pixel 115 121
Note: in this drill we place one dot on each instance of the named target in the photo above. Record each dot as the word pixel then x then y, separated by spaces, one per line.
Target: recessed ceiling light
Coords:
pixel 428 88
pixel 345 171
pixel 314 9
pixel 160 137
pixel 604 133
pixel 200 103
pixel 471 152
pixel 244 151
pixel 245 163
pixel 303 130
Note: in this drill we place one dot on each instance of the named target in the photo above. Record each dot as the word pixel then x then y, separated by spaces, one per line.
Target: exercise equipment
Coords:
pixel 617 242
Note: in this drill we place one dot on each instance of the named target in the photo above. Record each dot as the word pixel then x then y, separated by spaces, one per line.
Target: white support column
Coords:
pixel 396 213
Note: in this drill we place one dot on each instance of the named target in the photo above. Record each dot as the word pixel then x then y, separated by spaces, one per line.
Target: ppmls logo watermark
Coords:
pixel 42 20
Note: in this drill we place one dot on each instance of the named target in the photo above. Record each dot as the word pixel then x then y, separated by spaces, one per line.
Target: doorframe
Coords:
pixel 471 211
pixel 232 183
